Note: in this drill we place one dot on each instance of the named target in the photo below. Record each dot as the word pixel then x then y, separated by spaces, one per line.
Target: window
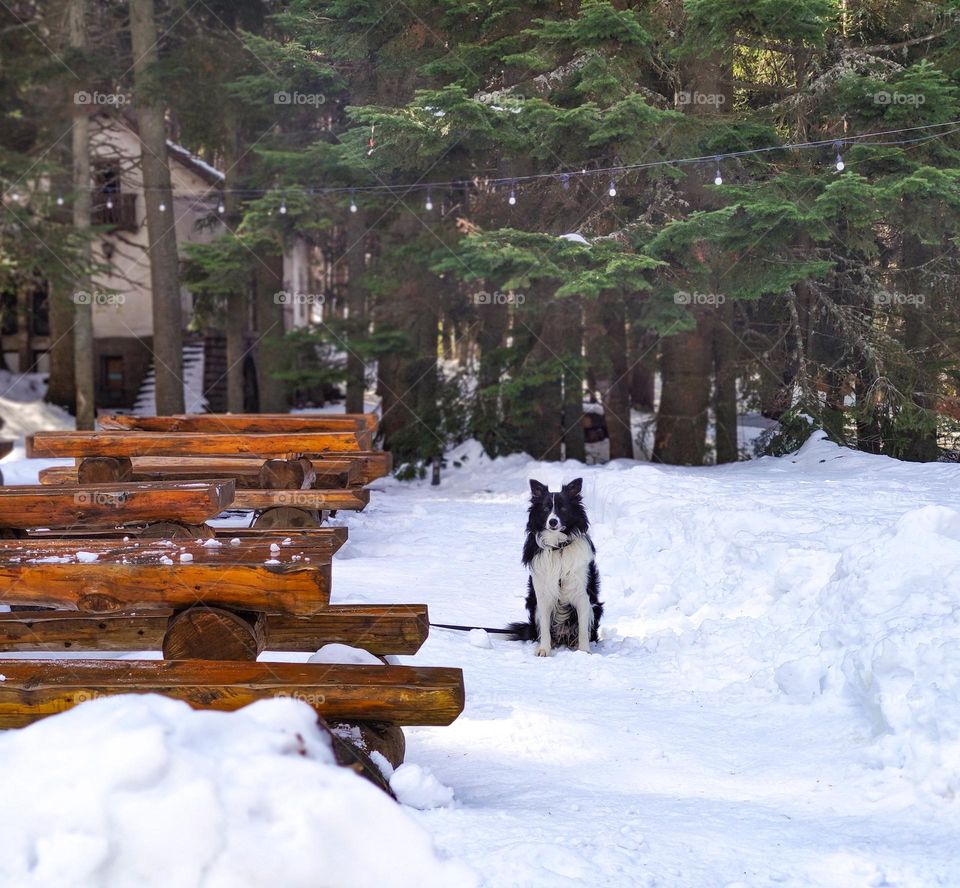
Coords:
pixel 111 374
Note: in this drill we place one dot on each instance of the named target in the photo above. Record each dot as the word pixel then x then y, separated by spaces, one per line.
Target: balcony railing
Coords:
pixel 121 215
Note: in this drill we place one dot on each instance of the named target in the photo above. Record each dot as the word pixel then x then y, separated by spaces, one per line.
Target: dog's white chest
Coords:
pixel 564 570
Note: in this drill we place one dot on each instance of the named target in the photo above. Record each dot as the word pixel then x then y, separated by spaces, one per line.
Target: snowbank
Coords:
pixel 142 790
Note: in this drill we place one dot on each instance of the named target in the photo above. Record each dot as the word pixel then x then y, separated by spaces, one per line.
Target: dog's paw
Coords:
pixel 543 652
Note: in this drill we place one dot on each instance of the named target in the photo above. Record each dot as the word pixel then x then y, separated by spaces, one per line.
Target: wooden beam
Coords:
pixel 98 588
pixel 403 695
pixel 244 422
pixel 244 472
pixel 375 463
pixel 113 504
pixel 355 500
pixel 316 549
pixel 378 628
pixel 142 444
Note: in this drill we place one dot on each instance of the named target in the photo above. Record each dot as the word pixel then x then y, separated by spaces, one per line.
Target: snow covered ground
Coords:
pixel 775 699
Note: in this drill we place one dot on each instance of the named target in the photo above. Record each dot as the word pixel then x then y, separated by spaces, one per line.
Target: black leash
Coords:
pixel 469 628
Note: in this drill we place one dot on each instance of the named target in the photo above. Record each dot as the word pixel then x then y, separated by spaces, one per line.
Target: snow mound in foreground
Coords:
pixel 142 790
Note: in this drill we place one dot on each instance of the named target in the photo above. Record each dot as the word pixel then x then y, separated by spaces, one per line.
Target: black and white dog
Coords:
pixel 564 585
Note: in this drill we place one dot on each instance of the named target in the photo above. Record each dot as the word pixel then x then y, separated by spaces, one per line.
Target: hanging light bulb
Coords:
pixel 109 203
pixel 59 200
pixel 718 179
pixel 428 203
pixel 15 196
pixel 353 203
pixel 512 199
pixel 840 163
pixel 162 207
pixel 612 189
pixel 221 208
pixel 565 181
pixel 283 208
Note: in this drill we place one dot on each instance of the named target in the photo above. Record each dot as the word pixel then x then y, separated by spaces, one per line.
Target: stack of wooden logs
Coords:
pixel 116 553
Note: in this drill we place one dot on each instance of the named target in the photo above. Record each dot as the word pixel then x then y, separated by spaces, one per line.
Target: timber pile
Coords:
pixel 291 470
pixel 129 564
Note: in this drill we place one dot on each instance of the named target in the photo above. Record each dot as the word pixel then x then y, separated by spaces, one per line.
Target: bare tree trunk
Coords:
pixel 271 351
pixel 493 320
pixel 685 398
pixel 83 308
pixel 616 399
pixel 60 384
pixel 25 328
pixel 642 370
pixel 725 386
pixel 237 304
pixel 573 441
pixel 357 310
pixel 161 224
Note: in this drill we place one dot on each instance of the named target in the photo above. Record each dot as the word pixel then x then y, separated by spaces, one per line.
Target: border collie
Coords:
pixel 564 585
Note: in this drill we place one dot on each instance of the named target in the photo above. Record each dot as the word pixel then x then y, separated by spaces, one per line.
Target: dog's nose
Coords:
pixel 553 522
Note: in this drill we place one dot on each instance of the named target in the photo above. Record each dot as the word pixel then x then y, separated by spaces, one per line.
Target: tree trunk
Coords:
pixel 25 328
pixel 161 224
pixel 493 320
pixel 573 442
pixel 682 419
pixel 687 358
pixel 919 341
pixel 60 384
pixel 83 307
pixel 642 371
pixel 725 385
pixel 270 329
pixel 357 311
pixel 616 398
pixel 237 305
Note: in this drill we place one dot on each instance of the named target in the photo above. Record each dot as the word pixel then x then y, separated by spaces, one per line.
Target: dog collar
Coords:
pixel 562 545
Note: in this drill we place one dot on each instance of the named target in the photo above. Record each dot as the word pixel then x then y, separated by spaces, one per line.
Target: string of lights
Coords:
pixel 930 132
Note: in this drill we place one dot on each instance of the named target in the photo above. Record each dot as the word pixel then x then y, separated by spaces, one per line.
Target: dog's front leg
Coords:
pixel 545 605
pixel 584 622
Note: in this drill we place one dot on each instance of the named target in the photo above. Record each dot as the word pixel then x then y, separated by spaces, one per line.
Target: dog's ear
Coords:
pixel 574 487
pixel 537 489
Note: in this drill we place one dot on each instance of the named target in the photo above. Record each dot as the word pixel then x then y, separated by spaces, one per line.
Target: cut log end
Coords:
pixel 211 633
pixel 104 470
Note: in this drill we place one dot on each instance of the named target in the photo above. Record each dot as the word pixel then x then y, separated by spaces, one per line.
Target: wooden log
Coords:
pixel 244 422
pixel 378 628
pixel 245 473
pixel 401 695
pixel 353 500
pixel 287 474
pixel 104 470
pixel 98 588
pixel 143 444
pixel 315 549
pixel 374 463
pixel 221 533
pixel 212 633
pixel 175 530
pixel 286 516
pixel 113 504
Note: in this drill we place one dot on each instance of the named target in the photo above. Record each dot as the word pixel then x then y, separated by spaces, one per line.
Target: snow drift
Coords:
pixel 142 790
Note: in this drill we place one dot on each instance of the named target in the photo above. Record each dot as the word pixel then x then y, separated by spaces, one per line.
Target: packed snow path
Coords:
pixel 775 699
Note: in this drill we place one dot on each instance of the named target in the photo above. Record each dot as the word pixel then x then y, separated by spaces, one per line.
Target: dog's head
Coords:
pixel 561 512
